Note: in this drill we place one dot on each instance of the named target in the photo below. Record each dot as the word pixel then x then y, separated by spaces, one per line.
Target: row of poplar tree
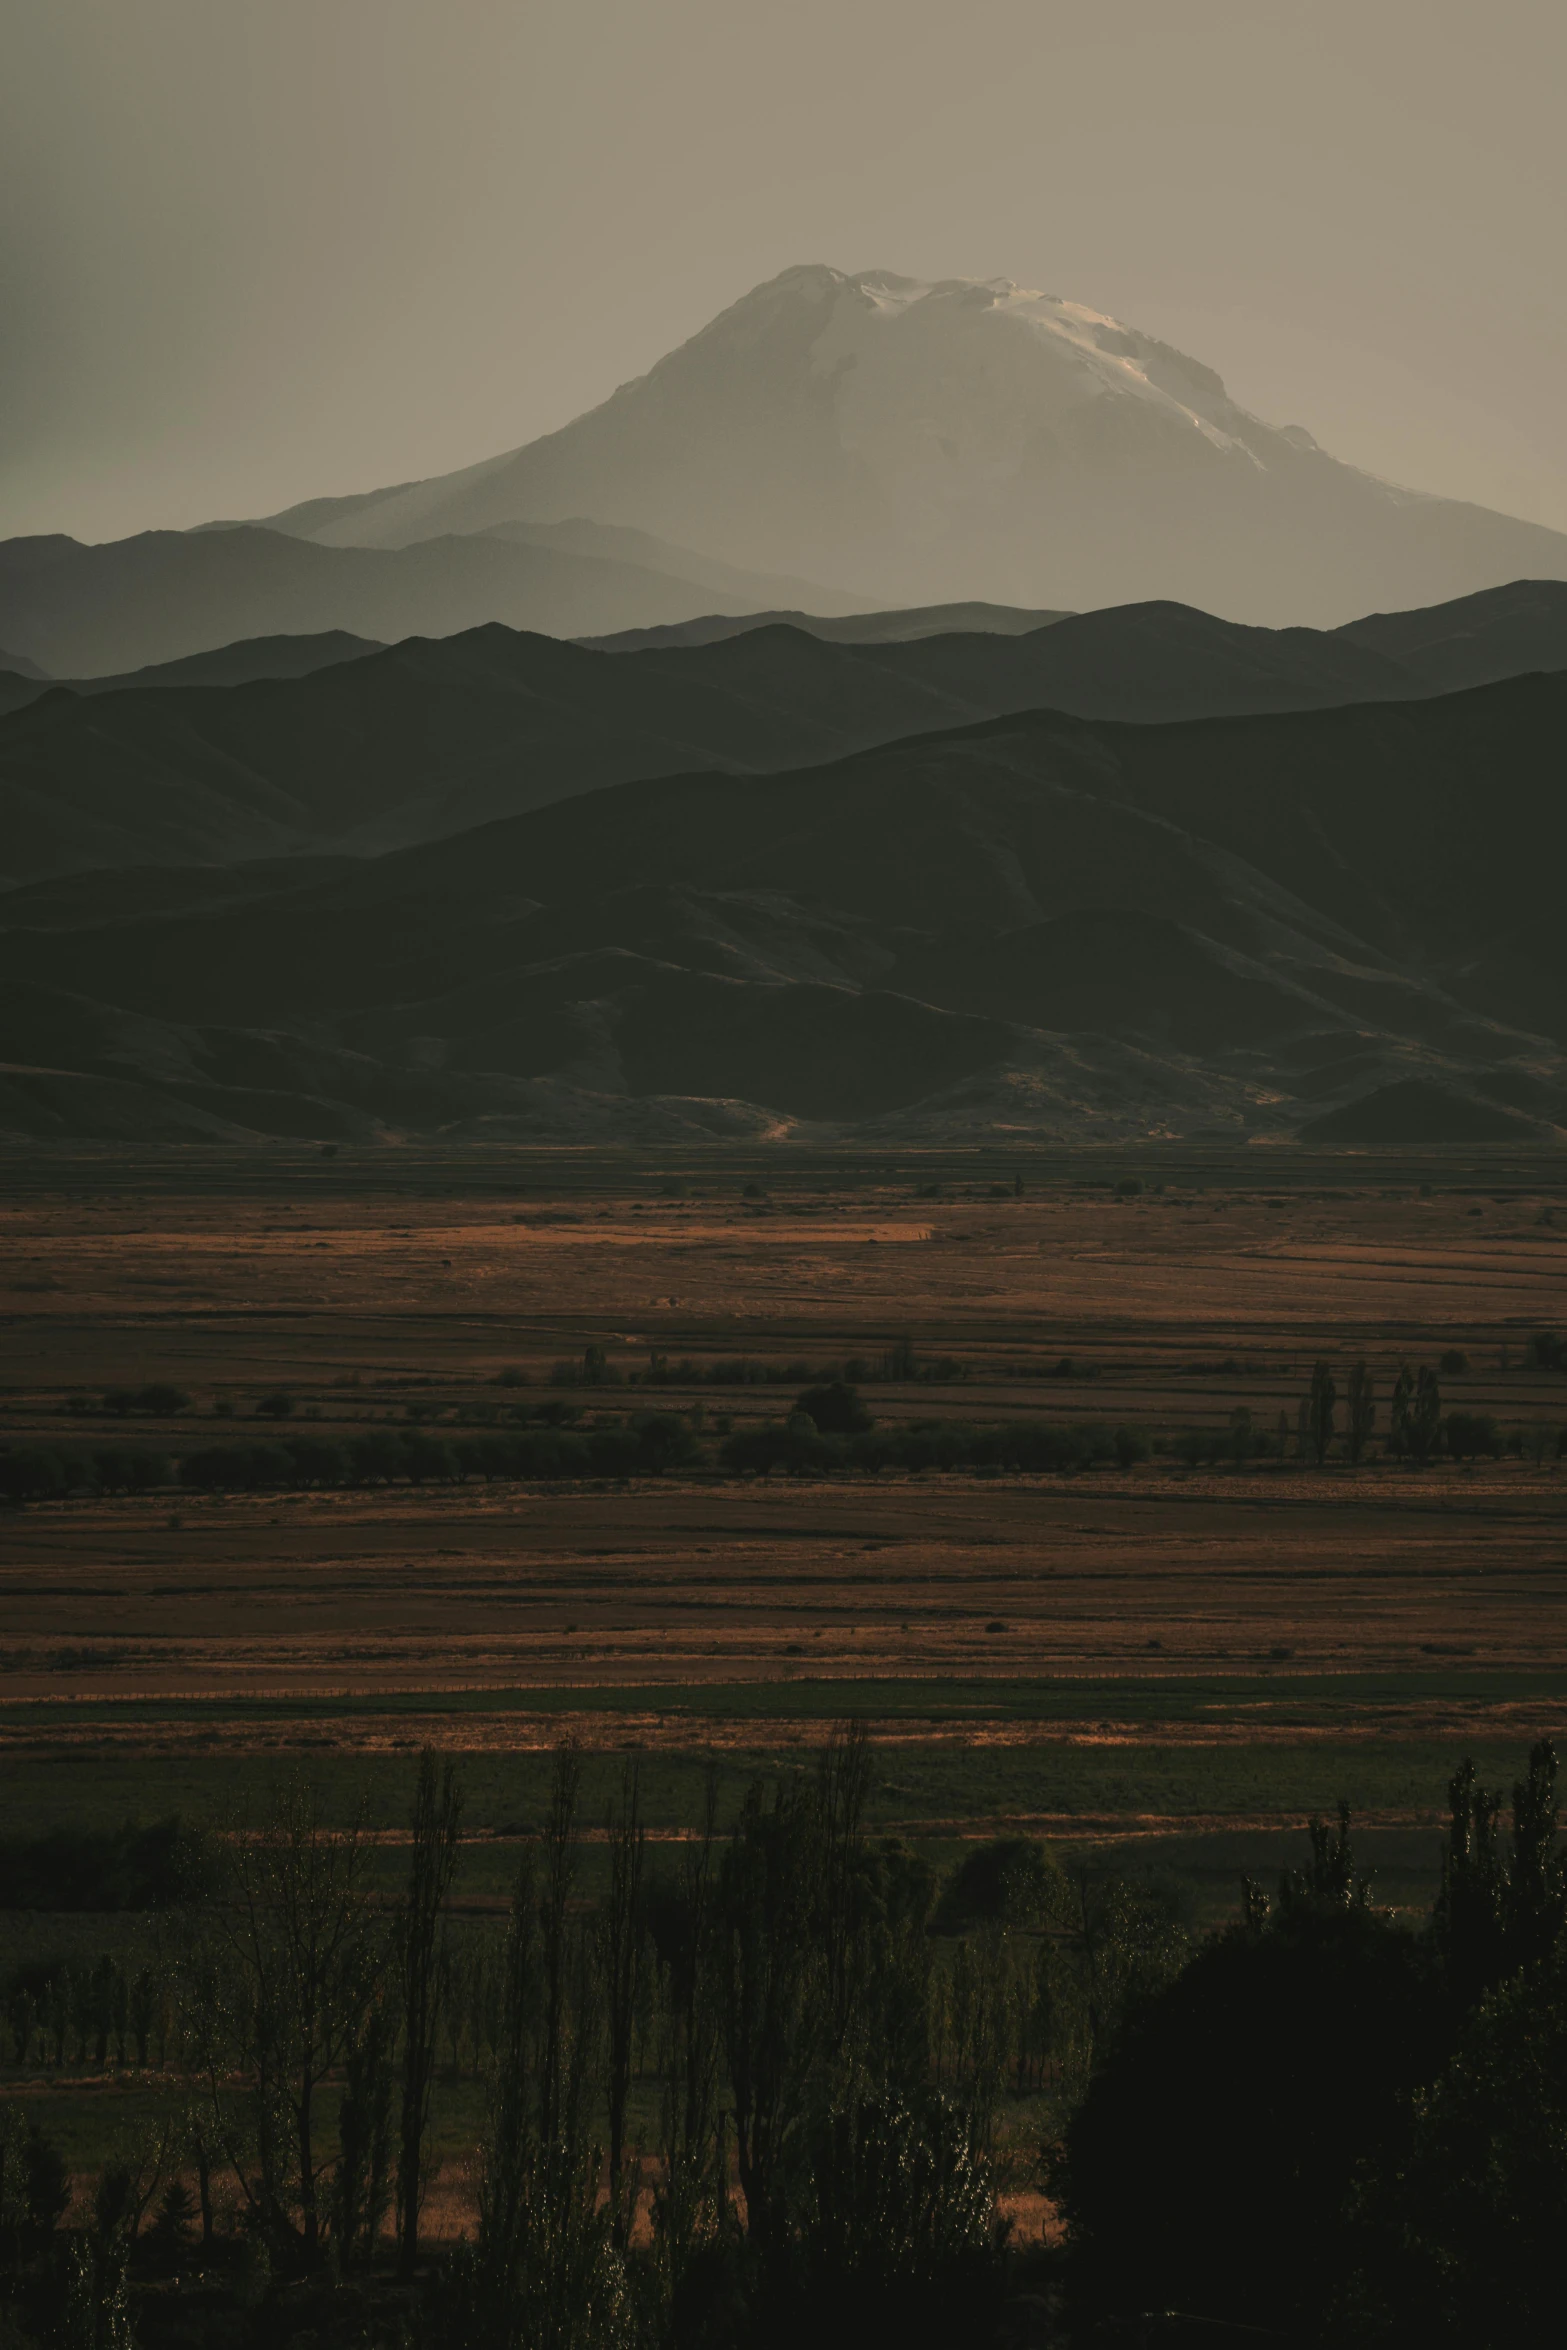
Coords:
pixel 754 2081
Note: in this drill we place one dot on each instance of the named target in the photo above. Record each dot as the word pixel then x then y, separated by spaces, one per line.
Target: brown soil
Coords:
pixel 1170 1310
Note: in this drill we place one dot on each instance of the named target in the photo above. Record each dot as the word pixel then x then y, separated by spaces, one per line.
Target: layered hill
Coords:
pixel 86 611
pixel 364 750
pixel 421 740
pixel 237 664
pixel 1034 925
pixel 904 624
pixel 968 439
pixel 1103 661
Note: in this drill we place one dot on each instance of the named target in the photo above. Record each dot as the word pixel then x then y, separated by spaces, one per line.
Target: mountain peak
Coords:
pixel 929 440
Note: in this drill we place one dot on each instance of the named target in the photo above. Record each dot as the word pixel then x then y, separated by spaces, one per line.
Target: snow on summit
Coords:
pixel 930 441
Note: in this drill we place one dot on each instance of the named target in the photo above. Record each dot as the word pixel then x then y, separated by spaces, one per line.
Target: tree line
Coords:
pixel 829 1430
pixel 757 2088
pixel 760 2093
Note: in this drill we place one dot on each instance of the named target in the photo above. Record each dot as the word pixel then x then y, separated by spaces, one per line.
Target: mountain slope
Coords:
pixel 238 664
pixel 85 611
pixel 1475 639
pixel 970 439
pixel 1033 925
pixel 906 624
pixel 432 737
pixel 417 741
pixel 739 589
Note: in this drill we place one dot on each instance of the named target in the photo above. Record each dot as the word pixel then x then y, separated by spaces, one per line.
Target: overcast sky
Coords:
pixel 260 250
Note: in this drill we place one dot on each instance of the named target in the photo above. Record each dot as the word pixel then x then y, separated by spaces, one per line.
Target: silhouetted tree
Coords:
pixel 285 1967
pixel 1460 2239
pixel 437 1820
pixel 1362 1406
pixel 1323 1398
pixel 1400 1411
pixel 1425 1416
pixel 835 1409
pixel 622 1930
pixel 1214 2152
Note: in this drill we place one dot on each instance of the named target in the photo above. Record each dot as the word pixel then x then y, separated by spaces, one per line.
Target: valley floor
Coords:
pixel 1168 1665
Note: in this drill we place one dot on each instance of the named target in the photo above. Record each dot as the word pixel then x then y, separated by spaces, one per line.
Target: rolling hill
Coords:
pixel 89 611
pixel 1037 924
pixel 431 737
pixel 238 664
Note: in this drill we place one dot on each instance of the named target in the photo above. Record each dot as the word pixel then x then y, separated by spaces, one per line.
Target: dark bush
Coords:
pixel 795 1445
pixel 118 1471
pixel 1471 1435
pixel 46 2186
pixel 79 1868
pixel 28 1473
pixel 317 1460
pixel 1014 1881
pixel 834 1410
pixel 157 1397
pixel 664 1441
pixel 1463 2240
pixel 1215 2152
pixel 614 1452
pixel 373 1457
pixel 237 1468
pixel 161 1399
pixel 428 1460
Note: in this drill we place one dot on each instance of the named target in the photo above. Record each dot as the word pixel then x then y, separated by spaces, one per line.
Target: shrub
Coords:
pixel 27 1473
pixel 374 1457
pixel 317 1460
pixel 117 1471
pixel 1209 2163
pixel 46 2185
pixel 236 1468
pixel 80 1868
pixel 161 1399
pixel 796 1445
pixel 1471 1435
pixel 1013 1881
pixel 663 1441
pixel 428 1460
pixel 834 1410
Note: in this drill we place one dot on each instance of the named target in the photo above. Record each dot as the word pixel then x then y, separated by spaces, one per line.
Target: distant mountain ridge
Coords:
pixel 83 611
pixel 244 663
pixel 431 737
pixel 903 625
pixel 1037 925
pixel 967 439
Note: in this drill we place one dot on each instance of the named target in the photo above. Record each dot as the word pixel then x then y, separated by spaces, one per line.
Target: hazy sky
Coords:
pixel 258 250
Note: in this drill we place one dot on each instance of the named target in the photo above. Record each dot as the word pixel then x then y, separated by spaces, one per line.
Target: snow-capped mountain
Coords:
pixel 923 442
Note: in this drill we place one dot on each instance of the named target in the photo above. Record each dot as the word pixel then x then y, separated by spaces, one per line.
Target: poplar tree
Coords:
pixel 436 1821
pixel 1324 1396
pixel 1362 1409
pixel 1425 1416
